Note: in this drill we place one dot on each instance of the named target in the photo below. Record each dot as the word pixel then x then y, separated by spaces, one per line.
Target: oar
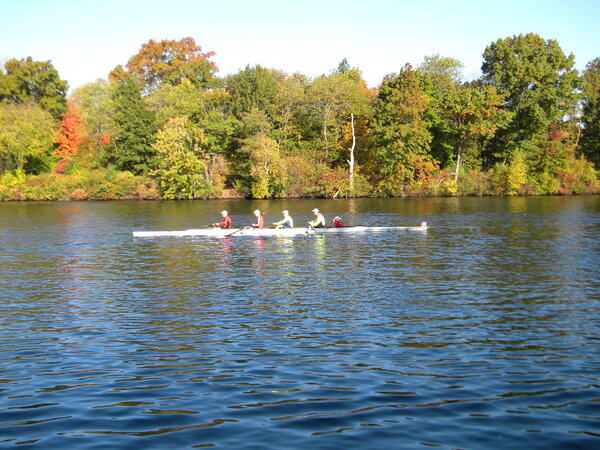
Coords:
pixel 236 231
pixel 310 227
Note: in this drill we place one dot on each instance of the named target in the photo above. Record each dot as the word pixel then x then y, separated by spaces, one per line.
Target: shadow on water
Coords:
pixel 481 332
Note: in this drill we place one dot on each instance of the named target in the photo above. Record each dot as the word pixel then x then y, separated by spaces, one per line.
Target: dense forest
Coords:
pixel 165 126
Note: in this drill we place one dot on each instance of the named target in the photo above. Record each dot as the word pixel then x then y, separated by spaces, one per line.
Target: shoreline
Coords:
pixel 241 197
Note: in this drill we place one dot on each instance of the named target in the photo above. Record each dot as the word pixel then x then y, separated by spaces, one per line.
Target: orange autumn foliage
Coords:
pixel 71 132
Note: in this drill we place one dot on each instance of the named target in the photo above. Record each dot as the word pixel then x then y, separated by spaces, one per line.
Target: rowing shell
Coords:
pixel 219 233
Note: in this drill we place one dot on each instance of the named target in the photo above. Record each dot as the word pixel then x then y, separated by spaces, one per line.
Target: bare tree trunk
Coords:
pixel 325 139
pixel 578 136
pixel 351 160
pixel 457 165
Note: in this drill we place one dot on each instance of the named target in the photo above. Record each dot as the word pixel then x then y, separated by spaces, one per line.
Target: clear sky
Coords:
pixel 86 39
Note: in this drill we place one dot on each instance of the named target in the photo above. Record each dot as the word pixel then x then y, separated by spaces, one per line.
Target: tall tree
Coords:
pixel 95 102
pixel 135 129
pixel 539 82
pixel 358 105
pixel 445 72
pixel 204 108
pixel 259 158
pixel 169 61
pixel 334 100
pixel 590 139
pixel 27 81
pixel 181 169
pixel 400 132
pixel 471 115
pixel 289 100
pixel 252 88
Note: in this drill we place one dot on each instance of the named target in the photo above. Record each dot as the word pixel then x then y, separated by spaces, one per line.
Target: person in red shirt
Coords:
pixel 337 222
pixel 226 223
pixel 260 221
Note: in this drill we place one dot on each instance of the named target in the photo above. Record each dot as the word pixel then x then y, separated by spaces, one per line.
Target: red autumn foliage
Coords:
pixel 555 134
pixel 62 165
pixel 104 140
pixel 71 132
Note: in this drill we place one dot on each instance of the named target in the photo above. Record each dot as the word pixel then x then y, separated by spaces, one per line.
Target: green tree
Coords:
pixel 95 102
pixel 440 76
pixel 445 73
pixel 288 102
pixel 25 81
pixel 206 109
pixel 335 100
pixel 252 88
pixel 358 104
pixel 400 133
pixel 324 99
pixel 590 140
pixel 184 99
pixel 181 170
pixel 259 158
pixel 131 149
pixel 539 82
pixel 471 115
pixel 26 137
pixel 266 166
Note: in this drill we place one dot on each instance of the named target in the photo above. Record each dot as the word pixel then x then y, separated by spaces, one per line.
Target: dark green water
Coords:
pixel 483 332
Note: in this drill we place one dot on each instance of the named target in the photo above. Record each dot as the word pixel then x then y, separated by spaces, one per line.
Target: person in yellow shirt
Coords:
pixel 319 221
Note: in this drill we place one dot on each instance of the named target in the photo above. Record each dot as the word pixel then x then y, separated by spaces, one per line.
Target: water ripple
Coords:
pixel 482 332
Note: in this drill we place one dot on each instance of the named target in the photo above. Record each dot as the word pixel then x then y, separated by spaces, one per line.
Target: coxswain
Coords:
pixel 225 223
pixel 286 222
pixel 319 221
pixel 260 222
pixel 337 222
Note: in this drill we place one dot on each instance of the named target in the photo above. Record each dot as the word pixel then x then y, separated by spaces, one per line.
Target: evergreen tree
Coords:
pixel 135 130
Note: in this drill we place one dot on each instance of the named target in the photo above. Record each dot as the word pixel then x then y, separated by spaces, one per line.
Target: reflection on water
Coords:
pixel 480 333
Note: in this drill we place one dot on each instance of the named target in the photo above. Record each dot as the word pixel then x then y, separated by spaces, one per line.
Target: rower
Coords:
pixel 225 223
pixel 260 222
pixel 286 222
pixel 337 222
pixel 319 221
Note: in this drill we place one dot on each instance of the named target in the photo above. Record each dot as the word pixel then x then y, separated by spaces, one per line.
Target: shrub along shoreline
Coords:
pixel 104 184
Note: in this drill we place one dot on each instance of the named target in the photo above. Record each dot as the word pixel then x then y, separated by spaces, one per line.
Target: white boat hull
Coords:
pixel 220 233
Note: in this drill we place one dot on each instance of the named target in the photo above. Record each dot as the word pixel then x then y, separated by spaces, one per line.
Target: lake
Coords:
pixel 482 332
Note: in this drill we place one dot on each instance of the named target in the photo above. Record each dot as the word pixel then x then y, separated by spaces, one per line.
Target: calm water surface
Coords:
pixel 483 332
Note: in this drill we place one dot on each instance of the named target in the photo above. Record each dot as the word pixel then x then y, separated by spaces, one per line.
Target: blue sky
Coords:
pixel 86 39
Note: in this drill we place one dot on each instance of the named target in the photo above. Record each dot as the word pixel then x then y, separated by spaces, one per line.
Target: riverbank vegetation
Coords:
pixel 166 126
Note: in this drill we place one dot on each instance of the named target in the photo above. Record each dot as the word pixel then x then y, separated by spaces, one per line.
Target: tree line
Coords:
pixel 166 126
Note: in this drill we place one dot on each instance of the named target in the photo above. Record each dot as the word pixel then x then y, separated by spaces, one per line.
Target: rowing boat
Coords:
pixel 219 233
